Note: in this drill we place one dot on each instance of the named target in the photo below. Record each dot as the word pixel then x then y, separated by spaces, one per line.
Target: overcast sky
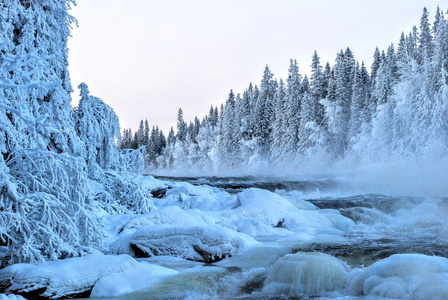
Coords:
pixel 147 58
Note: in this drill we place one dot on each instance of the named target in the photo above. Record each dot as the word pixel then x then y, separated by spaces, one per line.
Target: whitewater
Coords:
pixel 259 237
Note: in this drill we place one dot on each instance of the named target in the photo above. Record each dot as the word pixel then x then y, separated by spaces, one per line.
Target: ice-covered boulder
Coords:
pixel 149 182
pixel 256 227
pixel 199 243
pixel 306 274
pixel 192 196
pixel 276 211
pixel 404 276
pixel 139 278
pixel 11 297
pixel 170 215
pixel 66 278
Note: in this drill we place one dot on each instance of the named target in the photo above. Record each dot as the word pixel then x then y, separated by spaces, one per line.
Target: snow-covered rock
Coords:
pixel 276 211
pixel 149 182
pixel 192 196
pixel 256 227
pixel 404 276
pixel 65 278
pixel 189 196
pixel 306 273
pixel 170 215
pixel 199 243
pixel 11 297
pixel 139 278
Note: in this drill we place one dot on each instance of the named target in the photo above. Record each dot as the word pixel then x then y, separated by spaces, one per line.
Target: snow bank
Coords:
pixel 306 273
pixel 65 278
pixel 199 243
pixel 407 276
pixel 139 278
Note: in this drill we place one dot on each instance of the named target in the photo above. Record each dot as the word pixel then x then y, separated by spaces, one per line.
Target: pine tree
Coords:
pixel 307 125
pixel 181 126
pixel 141 135
pixel 359 111
pixel 212 117
pixel 426 47
pixel 293 106
pixel 440 60
pixel 98 127
pixel 229 144
pixel 318 87
pixel 264 112
pixel 146 134
pixel 343 75
pixel 279 124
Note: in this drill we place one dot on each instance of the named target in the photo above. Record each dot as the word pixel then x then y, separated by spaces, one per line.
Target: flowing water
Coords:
pixel 384 225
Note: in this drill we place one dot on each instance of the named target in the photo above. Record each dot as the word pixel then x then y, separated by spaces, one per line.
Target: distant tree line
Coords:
pixel 398 108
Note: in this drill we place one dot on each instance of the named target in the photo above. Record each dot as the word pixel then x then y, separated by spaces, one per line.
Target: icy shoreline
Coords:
pixel 204 242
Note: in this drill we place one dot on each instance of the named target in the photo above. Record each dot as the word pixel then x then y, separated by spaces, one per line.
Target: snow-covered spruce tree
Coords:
pixel 264 112
pixel 292 115
pixel 308 126
pixel 228 147
pixel 339 112
pixel 359 111
pixel 99 129
pixel 279 124
pixel 318 86
pixel 246 130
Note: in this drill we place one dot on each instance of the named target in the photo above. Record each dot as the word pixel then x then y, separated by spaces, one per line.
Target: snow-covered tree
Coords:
pixel 264 112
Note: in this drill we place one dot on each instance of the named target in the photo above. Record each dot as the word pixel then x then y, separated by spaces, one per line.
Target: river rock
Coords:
pixel 67 278
pixel 198 243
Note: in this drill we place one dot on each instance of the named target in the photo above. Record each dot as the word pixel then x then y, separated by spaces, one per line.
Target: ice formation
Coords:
pixel 409 276
pixel 306 274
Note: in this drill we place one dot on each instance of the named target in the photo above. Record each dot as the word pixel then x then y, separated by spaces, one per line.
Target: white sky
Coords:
pixel 147 58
